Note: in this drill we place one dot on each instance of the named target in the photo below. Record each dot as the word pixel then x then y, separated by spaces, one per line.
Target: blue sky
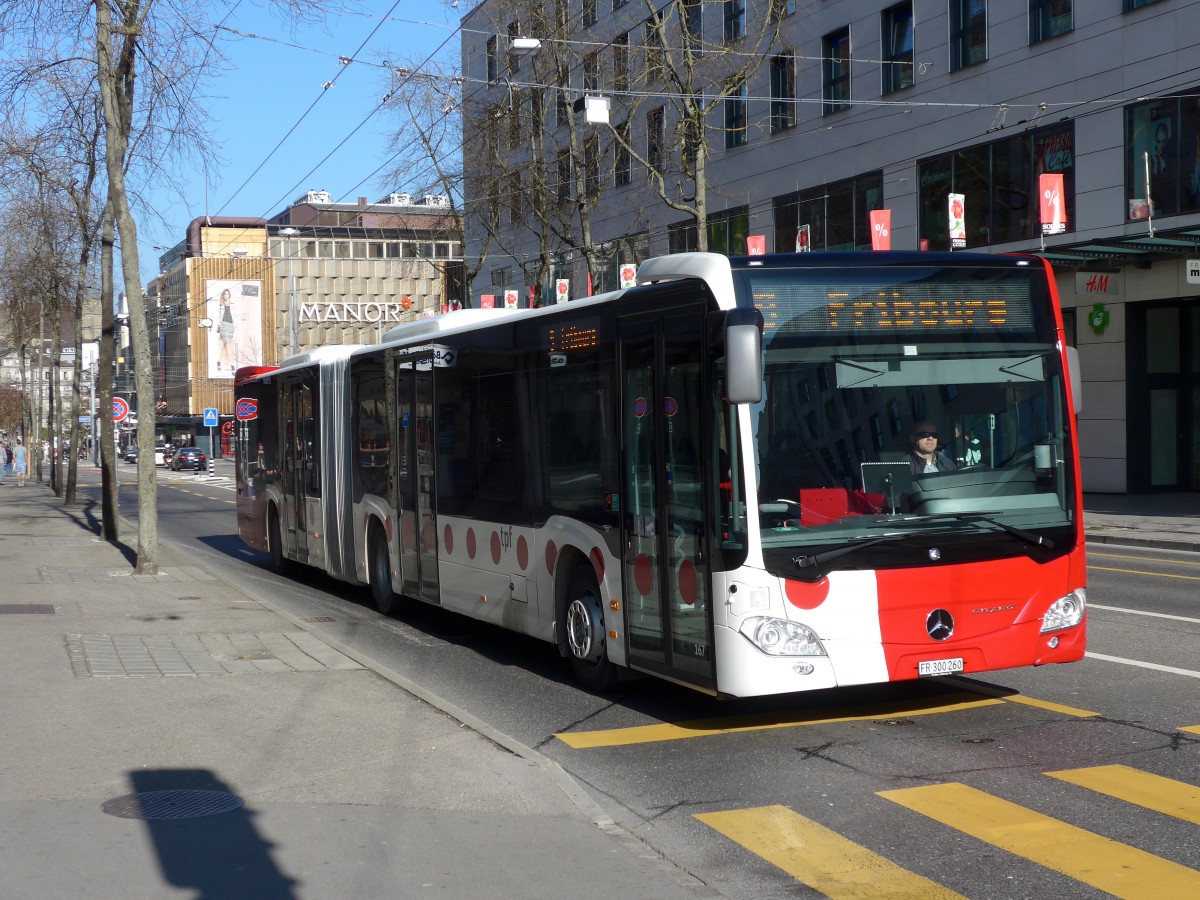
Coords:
pixel 274 79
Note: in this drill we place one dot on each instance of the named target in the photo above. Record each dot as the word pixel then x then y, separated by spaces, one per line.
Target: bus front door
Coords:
pixel 668 618
pixel 415 479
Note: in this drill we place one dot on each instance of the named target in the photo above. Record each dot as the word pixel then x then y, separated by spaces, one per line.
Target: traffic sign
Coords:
pixel 210 417
pixel 120 409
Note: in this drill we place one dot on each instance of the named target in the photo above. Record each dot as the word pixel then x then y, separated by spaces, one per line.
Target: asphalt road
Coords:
pixel 1068 781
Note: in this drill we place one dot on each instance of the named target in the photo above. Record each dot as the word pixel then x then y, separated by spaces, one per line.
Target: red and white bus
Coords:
pixel 704 477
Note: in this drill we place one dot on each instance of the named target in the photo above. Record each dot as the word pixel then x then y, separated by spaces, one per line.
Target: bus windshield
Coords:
pixel 909 401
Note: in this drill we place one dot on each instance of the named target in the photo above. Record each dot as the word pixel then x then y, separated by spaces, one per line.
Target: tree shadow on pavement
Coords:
pixel 86 516
pixel 203 834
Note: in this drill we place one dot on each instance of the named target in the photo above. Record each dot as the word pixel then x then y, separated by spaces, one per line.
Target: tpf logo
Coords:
pixel 246 409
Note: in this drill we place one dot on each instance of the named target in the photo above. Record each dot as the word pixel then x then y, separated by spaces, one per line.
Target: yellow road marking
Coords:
pixel 1052 707
pixel 1107 865
pixel 1172 798
pixel 1026 701
pixel 818 857
pixel 667 731
pixel 1154 559
pixel 1191 729
pixel 1153 574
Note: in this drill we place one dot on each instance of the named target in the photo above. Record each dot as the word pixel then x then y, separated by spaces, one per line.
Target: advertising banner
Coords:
pixel 881 229
pixel 628 275
pixel 958 221
pixel 235 336
pixel 1054 214
pixel 510 299
pixel 803 239
pixel 562 290
pixel 756 244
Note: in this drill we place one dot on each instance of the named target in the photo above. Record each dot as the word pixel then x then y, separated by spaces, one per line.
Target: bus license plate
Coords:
pixel 939 666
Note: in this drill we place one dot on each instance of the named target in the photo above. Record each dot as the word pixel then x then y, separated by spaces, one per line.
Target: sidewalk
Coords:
pixel 1162 521
pixel 169 736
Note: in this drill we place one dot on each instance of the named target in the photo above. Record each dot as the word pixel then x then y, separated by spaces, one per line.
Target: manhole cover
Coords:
pixel 179 804
pixel 27 609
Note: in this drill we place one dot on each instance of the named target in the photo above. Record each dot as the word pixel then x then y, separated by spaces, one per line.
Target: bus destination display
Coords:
pixel 790 307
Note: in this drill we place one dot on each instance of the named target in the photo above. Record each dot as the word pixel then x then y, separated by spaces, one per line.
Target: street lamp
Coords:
pixel 293 313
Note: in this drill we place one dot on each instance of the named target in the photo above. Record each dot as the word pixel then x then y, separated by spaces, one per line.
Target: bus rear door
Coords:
pixel 415 484
pixel 301 472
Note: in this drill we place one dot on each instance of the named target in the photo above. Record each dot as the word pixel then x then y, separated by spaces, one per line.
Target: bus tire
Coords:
pixel 380 573
pixel 280 564
pixel 584 623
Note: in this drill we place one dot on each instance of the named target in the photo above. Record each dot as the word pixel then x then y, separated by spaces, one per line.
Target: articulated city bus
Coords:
pixel 706 477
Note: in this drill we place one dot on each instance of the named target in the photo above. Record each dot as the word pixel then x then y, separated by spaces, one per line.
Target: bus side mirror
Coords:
pixel 743 355
pixel 1076 379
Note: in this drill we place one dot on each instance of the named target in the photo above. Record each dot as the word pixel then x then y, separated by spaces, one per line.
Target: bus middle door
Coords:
pixel 415 479
pixel 668 618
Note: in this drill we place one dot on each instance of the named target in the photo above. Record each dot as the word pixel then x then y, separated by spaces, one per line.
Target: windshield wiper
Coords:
pixel 819 559
pixel 1028 537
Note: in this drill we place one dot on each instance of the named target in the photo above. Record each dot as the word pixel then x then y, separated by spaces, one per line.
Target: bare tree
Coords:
pixel 695 78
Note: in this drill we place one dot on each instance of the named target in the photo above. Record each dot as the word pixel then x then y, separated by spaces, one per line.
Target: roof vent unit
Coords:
pixel 394 199
pixel 441 201
pixel 314 197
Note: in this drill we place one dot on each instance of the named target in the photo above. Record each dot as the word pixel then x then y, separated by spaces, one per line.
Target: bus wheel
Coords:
pixel 280 564
pixel 380 574
pixel 585 633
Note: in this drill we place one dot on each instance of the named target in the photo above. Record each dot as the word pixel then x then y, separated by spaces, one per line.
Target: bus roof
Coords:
pixel 317 355
pixel 459 318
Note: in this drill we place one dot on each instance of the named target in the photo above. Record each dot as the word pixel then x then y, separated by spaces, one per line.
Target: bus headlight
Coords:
pixel 779 637
pixel 1065 611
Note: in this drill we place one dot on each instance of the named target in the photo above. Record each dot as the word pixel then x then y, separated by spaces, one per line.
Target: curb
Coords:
pixel 1149 543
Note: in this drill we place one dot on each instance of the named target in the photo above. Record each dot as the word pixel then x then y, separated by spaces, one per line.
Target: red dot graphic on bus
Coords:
pixel 597 558
pixel 496 547
pixel 448 540
pixel 551 557
pixel 806 596
pixel 689 584
pixel 387 528
pixel 407 528
pixel 427 537
pixel 470 543
pixel 643 574
pixel 522 553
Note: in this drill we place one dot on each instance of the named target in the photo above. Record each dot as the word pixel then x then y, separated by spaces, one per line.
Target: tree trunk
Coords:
pixel 109 484
pixel 116 91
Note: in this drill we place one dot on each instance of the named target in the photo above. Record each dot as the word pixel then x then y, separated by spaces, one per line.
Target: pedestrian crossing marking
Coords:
pixel 674 731
pixel 1164 795
pixel 819 857
pixel 1105 864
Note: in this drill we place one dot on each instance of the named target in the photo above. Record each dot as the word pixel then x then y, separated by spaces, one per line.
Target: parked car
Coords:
pixel 131 453
pixel 189 458
pixel 160 455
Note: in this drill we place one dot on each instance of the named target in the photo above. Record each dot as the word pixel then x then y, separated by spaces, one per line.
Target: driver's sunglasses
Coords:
pixel 924 434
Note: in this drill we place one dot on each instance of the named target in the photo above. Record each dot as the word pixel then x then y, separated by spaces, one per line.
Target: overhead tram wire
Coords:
pixel 305 114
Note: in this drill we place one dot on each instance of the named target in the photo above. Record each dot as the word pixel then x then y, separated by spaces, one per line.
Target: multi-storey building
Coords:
pixel 816 114
pixel 251 291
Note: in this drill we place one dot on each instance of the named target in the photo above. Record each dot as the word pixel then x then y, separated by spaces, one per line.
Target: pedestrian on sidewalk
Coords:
pixel 4 468
pixel 20 458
